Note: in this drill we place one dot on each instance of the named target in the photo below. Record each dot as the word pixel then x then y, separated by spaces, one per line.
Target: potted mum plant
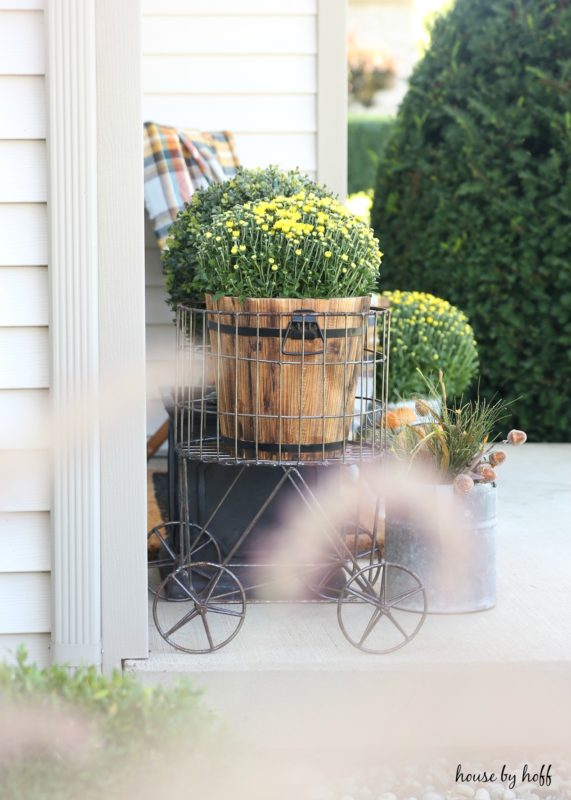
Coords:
pixel 284 277
pixel 180 256
pixel 451 542
pixel 428 335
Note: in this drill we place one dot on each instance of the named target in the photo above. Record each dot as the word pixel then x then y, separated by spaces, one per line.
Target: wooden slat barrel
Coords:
pixel 286 372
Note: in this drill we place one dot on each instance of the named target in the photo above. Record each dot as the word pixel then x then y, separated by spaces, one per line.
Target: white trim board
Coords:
pixel 74 334
pixel 121 332
pixel 332 95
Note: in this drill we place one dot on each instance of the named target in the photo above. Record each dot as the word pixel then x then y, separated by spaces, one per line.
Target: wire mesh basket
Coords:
pixel 271 382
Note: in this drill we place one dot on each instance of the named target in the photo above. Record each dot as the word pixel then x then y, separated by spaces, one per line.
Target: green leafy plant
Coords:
pixel 429 334
pixel 248 185
pixel 459 440
pixel 474 195
pixel 298 246
pixel 120 720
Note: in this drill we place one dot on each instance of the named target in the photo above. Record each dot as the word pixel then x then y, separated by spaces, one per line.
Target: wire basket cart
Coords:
pixel 292 391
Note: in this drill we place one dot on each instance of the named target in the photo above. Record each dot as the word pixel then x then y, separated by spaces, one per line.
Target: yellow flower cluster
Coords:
pixel 297 246
pixel 429 333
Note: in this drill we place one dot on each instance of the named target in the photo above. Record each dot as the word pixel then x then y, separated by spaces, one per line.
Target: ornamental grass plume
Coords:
pixel 458 441
pixel 303 246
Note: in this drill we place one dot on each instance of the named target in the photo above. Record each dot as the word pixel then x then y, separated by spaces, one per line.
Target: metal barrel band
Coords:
pixel 265 333
pixel 268 447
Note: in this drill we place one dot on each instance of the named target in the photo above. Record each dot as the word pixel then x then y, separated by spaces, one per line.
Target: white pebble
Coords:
pixel 347 797
pixel 464 790
pixel 387 796
pixel 482 794
pixel 432 796
pixel 509 795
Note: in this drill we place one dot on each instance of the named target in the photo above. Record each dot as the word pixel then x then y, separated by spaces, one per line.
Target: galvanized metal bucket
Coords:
pixel 453 554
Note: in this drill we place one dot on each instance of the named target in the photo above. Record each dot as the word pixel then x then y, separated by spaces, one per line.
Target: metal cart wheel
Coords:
pixel 216 613
pixel 373 616
pixel 166 556
pixel 359 550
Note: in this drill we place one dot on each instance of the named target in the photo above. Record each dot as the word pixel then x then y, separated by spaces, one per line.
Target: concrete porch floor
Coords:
pixel 526 637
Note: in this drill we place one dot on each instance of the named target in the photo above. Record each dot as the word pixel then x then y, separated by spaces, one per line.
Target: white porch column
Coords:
pixel 332 94
pixel 122 332
pixel 73 272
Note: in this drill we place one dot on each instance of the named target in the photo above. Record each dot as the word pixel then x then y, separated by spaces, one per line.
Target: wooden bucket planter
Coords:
pixel 286 372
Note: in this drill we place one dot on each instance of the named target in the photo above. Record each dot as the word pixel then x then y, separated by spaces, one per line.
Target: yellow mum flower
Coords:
pixel 328 254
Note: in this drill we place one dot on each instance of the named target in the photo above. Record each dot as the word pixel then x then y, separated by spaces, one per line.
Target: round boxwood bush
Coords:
pixel 473 195
pixel 180 257
pixel 429 334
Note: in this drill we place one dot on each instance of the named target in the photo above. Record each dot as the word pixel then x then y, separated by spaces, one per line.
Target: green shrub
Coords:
pixel 474 195
pixel 118 721
pixel 428 335
pixel 367 138
pixel 180 257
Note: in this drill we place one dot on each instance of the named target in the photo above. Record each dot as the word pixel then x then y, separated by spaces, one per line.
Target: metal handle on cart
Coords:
pixel 303 325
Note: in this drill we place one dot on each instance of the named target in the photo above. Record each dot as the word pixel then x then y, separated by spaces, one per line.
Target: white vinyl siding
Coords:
pixel 247 66
pixel 24 353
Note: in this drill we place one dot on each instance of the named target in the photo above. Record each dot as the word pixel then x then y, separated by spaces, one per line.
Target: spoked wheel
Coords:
pixel 356 550
pixel 163 549
pixel 372 609
pixel 211 617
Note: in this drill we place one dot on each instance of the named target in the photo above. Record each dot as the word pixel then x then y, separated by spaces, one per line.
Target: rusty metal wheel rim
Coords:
pixel 367 593
pixel 172 558
pixel 205 601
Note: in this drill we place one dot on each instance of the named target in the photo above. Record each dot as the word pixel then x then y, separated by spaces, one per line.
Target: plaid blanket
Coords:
pixel 177 163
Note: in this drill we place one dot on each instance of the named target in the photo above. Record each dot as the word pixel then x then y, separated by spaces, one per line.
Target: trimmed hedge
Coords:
pixel 367 138
pixel 76 733
pixel 473 198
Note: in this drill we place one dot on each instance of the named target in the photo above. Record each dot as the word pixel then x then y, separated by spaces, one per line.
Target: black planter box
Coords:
pixel 207 484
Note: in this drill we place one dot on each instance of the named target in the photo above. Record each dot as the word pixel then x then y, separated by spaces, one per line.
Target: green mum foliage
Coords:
pixel 180 259
pixel 473 195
